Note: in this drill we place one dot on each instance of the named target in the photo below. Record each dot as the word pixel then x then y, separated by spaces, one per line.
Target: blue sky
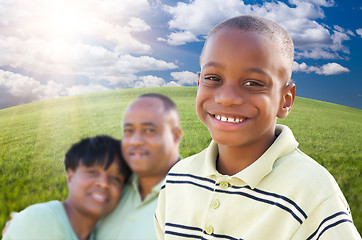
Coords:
pixel 59 48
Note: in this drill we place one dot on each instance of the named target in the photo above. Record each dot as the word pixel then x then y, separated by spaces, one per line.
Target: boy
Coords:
pixel 96 172
pixel 252 182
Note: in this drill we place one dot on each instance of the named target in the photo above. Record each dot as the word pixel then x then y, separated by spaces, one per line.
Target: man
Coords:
pixel 150 145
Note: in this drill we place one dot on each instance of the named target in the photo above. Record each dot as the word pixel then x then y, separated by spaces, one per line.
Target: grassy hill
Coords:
pixel 34 138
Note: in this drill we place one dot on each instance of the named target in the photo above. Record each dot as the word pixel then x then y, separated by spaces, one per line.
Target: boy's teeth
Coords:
pixel 229 119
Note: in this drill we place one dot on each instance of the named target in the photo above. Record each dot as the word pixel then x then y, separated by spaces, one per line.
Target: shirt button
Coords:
pixel 215 204
pixel 224 185
pixel 209 230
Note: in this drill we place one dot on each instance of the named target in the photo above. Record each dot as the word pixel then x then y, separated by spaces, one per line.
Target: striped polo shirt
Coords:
pixel 283 195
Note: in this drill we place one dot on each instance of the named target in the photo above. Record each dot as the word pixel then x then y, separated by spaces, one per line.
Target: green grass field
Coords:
pixel 34 138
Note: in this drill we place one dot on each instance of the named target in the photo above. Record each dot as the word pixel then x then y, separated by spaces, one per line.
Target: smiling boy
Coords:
pixel 252 182
pixel 96 172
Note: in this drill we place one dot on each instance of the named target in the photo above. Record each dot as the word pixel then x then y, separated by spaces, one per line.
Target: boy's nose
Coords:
pixel 229 95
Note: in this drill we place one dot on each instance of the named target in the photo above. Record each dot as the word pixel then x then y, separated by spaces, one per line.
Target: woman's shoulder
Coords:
pixel 39 221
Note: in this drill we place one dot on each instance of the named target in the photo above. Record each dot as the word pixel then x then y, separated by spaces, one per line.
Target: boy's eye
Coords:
pixel 212 78
pixel 211 81
pixel 253 83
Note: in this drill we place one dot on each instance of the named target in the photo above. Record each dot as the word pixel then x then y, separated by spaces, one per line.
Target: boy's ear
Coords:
pixel 287 101
pixel 70 174
pixel 198 78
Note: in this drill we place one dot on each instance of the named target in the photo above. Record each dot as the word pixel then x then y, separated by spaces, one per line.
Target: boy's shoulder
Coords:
pixel 298 171
pixel 301 167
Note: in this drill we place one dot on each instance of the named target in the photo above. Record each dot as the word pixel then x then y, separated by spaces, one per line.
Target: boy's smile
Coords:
pixel 241 88
pixel 229 119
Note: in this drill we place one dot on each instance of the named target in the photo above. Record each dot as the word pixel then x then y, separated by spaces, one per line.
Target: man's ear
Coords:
pixel 198 78
pixel 70 174
pixel 287 101
pixel 177 134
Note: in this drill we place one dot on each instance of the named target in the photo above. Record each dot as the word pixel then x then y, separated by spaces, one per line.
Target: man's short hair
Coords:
pixel 168 104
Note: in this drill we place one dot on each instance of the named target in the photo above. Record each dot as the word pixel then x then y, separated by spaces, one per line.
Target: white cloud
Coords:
pixel 138 25
pixel 302 67
pixel 324 3
pixel 117 10
pixel 149 81
pixel 339 35
pixel 359 31
pixel 316 53
pixel 188 16
pixel 172 84
pixel 68 36
pixel 19 85
pixel 82 89
pixel 73 19
pixel 20 89
pixel 185 78
pixel 299 18
pixel 180 38
pixel 160 39
pixel 181 79
pixel 130 63
pixel 73 38
pixel 122 71
pixel 60 57
pixel 55 56
pixel 333 69
pixel 50 90
pixel 327 69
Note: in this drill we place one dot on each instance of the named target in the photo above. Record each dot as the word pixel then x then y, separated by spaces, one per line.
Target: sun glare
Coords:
pixel 64 19
pixel 54 31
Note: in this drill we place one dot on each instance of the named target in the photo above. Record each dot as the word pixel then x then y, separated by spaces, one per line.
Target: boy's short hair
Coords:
pixel 98 150
pixel 269 29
